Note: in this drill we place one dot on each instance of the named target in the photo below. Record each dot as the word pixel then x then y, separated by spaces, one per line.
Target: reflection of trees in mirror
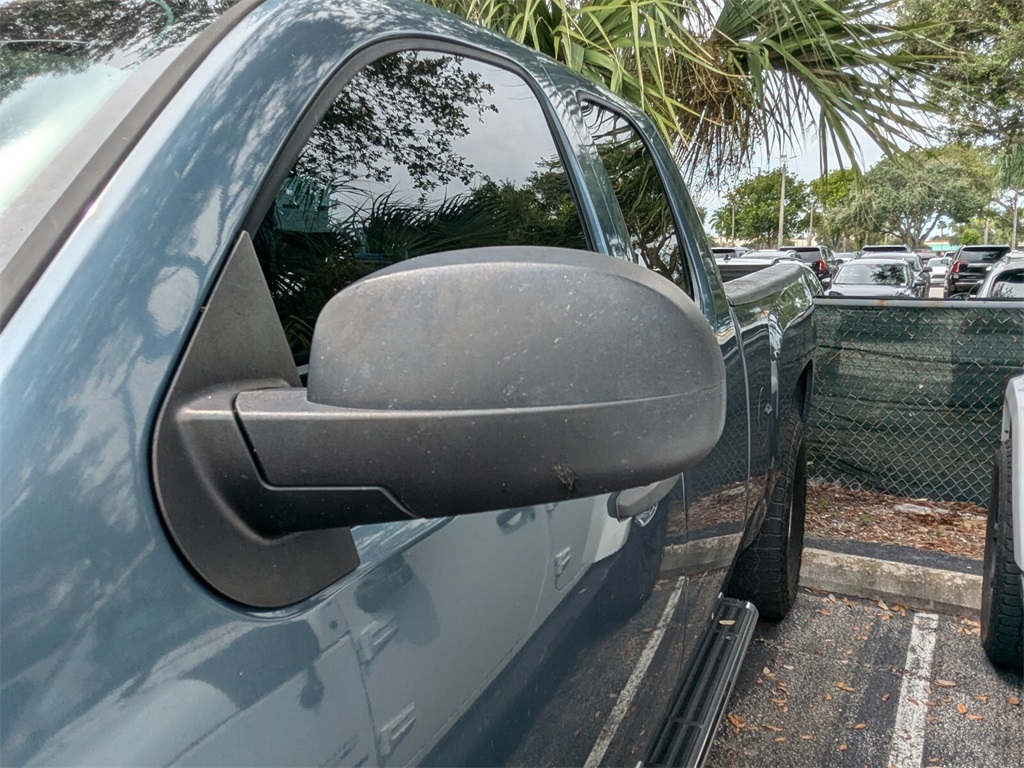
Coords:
pixel 57 37
pixel 402 110
pixel 306 268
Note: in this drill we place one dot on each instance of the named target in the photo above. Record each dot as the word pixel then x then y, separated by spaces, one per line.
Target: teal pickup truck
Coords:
pixel 370 396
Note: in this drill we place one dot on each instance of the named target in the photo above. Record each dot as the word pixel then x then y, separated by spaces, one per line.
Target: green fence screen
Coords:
pixel 908 394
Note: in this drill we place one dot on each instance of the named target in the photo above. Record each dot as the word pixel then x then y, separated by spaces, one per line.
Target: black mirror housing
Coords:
pixel 490 378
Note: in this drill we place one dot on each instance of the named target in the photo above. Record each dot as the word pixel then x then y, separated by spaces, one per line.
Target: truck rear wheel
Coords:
pixel 1002 606
pixel 768 571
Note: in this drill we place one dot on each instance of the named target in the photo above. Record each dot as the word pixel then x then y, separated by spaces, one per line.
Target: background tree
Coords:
pixel 756 203
pixel 1010 181
pixel 827 194
pixel 968 236
pixel 722 80
pixel 977 60
pixel 907 197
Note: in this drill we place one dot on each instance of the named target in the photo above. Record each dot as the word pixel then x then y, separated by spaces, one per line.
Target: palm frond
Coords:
pixel 721 83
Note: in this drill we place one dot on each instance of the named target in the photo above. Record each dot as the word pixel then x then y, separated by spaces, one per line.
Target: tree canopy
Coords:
pixel 756 205
pixel 722 81
pixel 978 66
pixel 907 197
pixel 829 193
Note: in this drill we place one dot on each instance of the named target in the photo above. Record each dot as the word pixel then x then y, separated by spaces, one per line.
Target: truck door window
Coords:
pixel 640 193
pixel 421 152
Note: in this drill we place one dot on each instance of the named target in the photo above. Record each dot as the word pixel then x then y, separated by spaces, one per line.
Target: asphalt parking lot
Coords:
pixel 856 682
pixel 842 681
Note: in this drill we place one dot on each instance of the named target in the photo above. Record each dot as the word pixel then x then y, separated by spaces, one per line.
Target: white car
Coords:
pixel 1002 605
pixel 939 266
pixel 1005 278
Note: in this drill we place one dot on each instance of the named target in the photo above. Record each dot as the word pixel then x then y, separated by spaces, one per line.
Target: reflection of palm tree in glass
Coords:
pixel 892 274
pixel 394 171
pixel 306 268
pixel 886 274
pixel 1011 287
pixel 639 190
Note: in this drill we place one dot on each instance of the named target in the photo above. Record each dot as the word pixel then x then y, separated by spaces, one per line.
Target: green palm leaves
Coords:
pixel 720 80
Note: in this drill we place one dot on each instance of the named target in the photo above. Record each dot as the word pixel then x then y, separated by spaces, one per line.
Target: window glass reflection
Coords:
pixel 420 153
pixel 639 191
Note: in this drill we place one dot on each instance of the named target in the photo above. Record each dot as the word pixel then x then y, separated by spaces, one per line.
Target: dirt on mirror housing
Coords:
pixel 954 527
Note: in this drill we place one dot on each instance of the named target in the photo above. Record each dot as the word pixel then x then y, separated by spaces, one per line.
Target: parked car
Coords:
pixel 1004 279
pixel 939 266
pixel 969 267
pixel 753 261
pixel 918 269
pixel 725 253
pixel 819 258
pixel 1002 592
pixel 884 248
pixel 527 407
pixel 870 277
pixel 844 256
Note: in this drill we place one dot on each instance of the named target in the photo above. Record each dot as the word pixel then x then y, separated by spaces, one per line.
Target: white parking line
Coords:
pixel 907 748
pixel 618 713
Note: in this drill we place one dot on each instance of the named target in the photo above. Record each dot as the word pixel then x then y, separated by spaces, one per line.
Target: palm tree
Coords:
pixel 1010 175
pixel 721 80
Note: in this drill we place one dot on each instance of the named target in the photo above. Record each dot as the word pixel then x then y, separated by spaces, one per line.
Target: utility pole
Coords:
pixel 1016 216
pixel 810 235
pixel 732 237
pixel 782 201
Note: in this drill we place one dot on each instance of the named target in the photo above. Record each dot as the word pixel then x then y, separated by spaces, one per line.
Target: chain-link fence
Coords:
pixel 908 394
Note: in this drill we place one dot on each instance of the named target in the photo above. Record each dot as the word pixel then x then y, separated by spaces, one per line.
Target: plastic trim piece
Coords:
pixel 684 736
pixel 206 482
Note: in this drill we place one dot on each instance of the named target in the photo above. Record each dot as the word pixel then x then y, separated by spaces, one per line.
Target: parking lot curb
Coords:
pixel 913 586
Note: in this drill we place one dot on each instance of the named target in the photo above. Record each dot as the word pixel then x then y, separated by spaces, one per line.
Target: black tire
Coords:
pixel 1002 606
pixel 768 571
pixel 632 576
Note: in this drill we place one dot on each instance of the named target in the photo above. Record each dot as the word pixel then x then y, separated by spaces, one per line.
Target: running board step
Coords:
pixel 699 701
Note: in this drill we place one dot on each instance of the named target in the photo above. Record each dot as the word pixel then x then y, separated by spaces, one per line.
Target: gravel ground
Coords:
pixel 954 527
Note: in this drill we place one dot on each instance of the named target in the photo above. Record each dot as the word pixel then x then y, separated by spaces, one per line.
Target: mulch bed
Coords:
pixel 954 527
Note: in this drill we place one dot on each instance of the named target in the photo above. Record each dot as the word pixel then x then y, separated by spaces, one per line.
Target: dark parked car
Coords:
pixel 1005 279
pixel 819 258
pixel 870 250
pixel 723 252
pixel 357 407
pixel 869 277
pixel 969 267
pixel 918 269
pixel 752 261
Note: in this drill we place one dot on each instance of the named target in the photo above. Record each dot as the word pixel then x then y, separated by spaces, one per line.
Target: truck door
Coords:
pixel 653 201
